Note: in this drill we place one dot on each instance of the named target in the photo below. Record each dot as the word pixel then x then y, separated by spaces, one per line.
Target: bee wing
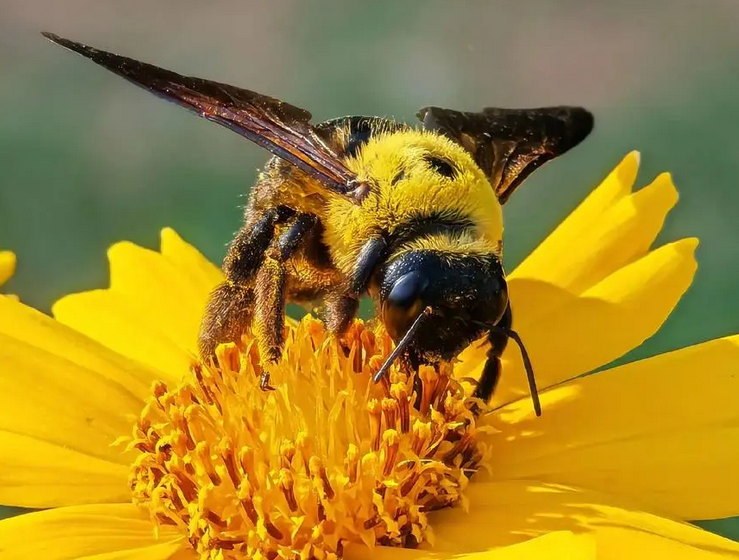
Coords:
pixel 509 144
pixel 281 128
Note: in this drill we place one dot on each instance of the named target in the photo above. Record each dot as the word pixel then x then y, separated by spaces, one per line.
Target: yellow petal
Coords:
pixel 160 288
pixel 619 235
pixel 199 272
pixel 609 229
pixel 559 545
pixel 24 324
pixel 582 333
pixel 659 430
pixel 153 308
pixel 93 532
pixel 36 473
pixel 64 400
pixel 114 320
pixel 7 266
pixel 504 513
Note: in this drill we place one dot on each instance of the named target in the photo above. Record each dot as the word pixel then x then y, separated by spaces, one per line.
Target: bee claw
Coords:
pixel 264 382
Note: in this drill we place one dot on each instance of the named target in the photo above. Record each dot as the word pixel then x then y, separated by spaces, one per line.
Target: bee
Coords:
pixel 366 205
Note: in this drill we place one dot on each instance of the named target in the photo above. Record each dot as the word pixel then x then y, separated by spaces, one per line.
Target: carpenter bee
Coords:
pixel 366 205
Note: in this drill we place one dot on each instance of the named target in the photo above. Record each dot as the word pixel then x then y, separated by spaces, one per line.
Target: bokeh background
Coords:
pixel 87 160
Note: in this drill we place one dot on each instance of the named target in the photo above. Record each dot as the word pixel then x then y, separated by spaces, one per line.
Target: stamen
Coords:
pixel 375 418
pixel 287 482
pixel 399 391
pixel 352 462
pixel 390 412
pixel 318 471
pixel 390 447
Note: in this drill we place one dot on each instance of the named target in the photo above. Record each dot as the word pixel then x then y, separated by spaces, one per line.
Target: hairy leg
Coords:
pixel 226 317
pixel 270 291
pixel 229 309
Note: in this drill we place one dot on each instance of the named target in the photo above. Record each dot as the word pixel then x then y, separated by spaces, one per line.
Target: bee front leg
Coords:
pixel 491 371
pixel 340 310
pixel 270 293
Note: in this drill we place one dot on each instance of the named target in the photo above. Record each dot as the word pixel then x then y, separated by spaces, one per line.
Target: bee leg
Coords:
pixel 270 293
pixel 491 371
pixel 229 307
pixel 370 255
pixel 247 249
pixel 226 317
pixel 340 310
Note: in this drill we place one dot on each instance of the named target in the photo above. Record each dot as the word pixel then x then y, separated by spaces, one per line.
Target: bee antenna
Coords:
pixel 526 364
pixel 405 341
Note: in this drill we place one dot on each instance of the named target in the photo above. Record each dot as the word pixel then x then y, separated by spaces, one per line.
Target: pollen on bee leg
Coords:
pixel 327 459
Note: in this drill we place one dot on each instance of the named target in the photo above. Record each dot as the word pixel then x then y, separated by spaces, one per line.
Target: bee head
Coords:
pixel 466 294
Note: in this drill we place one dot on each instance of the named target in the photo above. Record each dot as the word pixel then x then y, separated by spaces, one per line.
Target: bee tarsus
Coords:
pixel 264 382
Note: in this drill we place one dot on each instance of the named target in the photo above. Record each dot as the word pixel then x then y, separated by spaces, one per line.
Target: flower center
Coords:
pixel 326 459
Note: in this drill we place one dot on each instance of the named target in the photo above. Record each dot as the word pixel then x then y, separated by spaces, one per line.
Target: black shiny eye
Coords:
pixel 441 166
pixel 404 303
pixel 407 290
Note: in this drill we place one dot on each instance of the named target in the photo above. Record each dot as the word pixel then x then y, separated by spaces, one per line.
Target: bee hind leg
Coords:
pixel 246 252
pixel 229 308
pixel 270 291
pixel 226 317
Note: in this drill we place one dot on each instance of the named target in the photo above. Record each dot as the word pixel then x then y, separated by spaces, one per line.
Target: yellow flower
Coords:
pixel 7 266
pixel 328 462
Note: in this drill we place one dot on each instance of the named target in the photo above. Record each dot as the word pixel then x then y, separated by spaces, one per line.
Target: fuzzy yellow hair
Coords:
pixel 406 186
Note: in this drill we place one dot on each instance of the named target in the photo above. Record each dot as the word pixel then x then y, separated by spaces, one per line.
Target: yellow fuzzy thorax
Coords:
pixel 405 186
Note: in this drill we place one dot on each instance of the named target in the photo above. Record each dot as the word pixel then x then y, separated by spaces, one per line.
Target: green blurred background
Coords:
pixel 87 160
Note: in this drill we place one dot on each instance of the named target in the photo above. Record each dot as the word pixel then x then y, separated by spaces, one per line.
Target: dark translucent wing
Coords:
pixel 346 135
pixel 281 128
pixel 509 144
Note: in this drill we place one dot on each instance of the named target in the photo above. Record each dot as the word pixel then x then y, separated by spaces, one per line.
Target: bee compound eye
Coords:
pixel 404 302
pixel 407 290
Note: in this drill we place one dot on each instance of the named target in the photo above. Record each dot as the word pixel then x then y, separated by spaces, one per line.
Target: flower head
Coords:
pixel 208 466
pixel 325 460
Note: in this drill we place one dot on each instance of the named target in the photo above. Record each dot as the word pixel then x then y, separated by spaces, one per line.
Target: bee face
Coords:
pixel 467 294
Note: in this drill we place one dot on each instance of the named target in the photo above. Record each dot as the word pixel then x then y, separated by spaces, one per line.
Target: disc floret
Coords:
pixel 326 459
